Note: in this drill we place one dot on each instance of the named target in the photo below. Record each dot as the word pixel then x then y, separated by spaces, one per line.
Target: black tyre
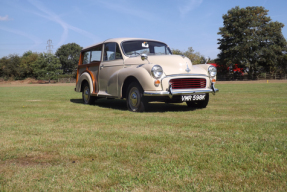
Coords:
pixel 86 95
pixel 199 104
pixel 190 104
pixel 135 99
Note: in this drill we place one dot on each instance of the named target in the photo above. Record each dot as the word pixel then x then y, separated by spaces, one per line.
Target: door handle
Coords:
pixel 101 66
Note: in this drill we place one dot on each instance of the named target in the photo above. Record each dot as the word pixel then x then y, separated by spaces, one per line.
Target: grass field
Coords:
pixel 50 141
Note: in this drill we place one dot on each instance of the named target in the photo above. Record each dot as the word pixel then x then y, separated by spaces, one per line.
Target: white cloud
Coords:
pixel 36 40
pixel 192 4
pixel 52 16
pixel 5 18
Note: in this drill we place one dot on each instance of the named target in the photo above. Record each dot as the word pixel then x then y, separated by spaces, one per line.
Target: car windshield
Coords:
pixel 135 48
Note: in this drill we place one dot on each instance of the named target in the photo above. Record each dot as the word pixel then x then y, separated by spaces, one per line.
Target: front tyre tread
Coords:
pixel 198 104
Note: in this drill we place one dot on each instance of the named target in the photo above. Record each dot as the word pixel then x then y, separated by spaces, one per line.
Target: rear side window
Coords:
pixel 92 55
pixel 112 52
pixel 87 57
pixel 96 54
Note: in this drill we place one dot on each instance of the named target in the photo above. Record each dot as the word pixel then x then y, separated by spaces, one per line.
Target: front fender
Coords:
pixel 203 66
pixel 141 74
pixel 85 76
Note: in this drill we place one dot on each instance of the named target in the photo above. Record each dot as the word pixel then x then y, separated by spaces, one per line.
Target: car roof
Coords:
pixel 119 40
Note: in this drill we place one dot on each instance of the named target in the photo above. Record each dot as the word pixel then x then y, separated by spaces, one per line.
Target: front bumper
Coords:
pixel 170 92
pixel 167 93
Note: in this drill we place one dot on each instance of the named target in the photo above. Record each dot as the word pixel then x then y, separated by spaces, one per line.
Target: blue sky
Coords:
pixel 29 24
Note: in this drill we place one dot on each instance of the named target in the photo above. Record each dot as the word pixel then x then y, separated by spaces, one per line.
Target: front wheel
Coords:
pixel 135 99
pixel 199 104
pixel 86 95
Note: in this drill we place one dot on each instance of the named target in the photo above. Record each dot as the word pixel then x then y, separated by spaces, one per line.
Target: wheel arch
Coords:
pixel 85 77
pixel 126 84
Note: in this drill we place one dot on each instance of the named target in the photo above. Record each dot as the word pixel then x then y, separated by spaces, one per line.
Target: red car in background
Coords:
pixel 235 68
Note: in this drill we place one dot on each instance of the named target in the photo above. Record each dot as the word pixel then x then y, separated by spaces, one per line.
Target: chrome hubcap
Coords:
pixel 134 98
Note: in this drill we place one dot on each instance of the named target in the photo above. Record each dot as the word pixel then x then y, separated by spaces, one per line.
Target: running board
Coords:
pixel 102 94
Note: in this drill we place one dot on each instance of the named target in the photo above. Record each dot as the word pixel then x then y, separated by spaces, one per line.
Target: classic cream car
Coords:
pixel 140 71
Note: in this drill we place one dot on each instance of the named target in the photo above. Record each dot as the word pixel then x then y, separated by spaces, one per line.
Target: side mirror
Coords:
pixel 144 57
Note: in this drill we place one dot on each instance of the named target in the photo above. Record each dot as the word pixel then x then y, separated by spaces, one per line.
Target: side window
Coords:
pixel 110 49
pixel 112 52
pixel 92 55
pixel 96 53
pixel 87 57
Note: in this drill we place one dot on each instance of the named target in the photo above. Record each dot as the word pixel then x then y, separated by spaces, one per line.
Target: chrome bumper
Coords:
pixel 167 93
pixel 171 93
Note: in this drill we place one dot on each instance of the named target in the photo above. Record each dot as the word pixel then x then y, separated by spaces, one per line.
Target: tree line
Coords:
pixel 52 66
pixel 249 39
pixel 195 57
pixel 41 65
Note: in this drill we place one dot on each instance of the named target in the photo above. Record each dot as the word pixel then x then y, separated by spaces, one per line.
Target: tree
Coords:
pixel 282 67
pixel 69 56
pixel 10 67
pixel 250 39
pixel 284 63
pixel 195 57
pixel 27 61
pixel 3 60
pixel 47 66
pixel 176 52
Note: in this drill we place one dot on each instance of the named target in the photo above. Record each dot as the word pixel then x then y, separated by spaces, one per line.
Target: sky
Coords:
pixel 29 24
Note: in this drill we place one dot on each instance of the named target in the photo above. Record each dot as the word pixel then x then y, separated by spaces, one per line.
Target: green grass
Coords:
pixel 50 141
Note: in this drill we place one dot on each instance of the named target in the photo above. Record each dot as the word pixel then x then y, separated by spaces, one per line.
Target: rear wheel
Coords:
pixel 199 104
pixel 86 95
pixel 135 99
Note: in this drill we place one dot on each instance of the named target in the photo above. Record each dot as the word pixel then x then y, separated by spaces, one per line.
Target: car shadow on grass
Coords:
pixel 152 106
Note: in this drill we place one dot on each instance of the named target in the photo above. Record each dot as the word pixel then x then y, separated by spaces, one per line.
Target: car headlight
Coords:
pixel 156 71
pixel 212 71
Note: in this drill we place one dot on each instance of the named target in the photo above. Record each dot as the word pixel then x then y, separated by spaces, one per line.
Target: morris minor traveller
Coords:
pixel 142 71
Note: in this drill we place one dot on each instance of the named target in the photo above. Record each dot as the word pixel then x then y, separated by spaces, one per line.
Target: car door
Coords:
pixel 111 63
